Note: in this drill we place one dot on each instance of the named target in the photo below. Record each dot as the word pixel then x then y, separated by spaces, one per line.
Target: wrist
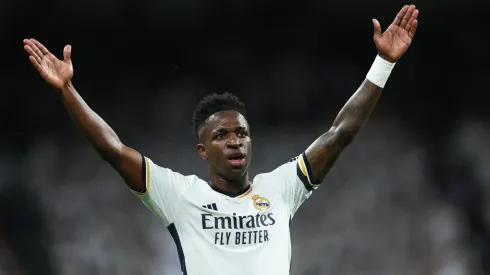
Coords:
pixel 385 57
pixel 67 88
pixel 380 71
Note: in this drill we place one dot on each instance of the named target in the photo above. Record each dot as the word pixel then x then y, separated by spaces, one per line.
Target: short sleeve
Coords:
pixel 295 176
pixel 164 191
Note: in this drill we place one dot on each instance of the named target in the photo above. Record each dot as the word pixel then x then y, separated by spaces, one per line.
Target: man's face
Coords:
pixel 224 141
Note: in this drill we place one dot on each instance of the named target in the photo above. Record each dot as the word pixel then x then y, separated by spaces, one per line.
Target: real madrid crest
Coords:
pixel 261 203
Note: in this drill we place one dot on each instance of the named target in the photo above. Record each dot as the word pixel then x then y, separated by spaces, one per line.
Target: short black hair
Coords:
pixel 212 104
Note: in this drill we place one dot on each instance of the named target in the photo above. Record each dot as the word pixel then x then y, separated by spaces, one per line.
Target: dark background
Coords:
pixel 408 197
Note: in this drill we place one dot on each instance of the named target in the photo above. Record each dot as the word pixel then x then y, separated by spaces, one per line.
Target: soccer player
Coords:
pixel 230 224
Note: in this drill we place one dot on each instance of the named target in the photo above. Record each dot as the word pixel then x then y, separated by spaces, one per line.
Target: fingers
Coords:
pixel 33 54
pixel 407 16
pixel 377 29
pixel 412 19
pixel 40 46
pixel 413 29
pixel 400 15
pixel 35 63
pixel 35 50
pixel 67 53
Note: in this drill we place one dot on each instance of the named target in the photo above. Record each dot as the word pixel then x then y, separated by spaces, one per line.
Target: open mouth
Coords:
pixel 237 159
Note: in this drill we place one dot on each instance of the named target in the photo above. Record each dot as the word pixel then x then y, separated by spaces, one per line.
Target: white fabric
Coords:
pixel 380 71
pixel 246 235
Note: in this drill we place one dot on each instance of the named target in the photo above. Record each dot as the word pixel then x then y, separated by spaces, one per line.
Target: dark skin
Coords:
pixel 391 45
pixel 223 133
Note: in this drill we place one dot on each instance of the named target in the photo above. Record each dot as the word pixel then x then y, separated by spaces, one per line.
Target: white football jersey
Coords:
pixel 222 235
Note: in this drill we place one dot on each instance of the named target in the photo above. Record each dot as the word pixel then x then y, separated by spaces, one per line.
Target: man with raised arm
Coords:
pixel 230 224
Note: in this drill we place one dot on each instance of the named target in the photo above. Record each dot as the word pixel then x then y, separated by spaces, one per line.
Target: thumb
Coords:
pixel 377 29
pixel 67 53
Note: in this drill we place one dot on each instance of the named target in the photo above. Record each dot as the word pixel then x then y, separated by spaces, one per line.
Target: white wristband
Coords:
pixel 380 71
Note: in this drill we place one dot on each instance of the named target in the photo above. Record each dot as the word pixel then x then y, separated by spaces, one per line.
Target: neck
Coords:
pixel 230 186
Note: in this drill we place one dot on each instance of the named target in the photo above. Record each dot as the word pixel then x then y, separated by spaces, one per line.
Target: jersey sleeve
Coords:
pixel 296 181
pixel 164 191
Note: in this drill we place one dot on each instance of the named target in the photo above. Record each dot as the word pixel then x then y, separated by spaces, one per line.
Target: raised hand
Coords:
pixel 396 40
pixel 56 72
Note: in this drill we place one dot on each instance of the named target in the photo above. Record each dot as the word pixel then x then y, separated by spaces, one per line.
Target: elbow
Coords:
pixel 111 153
pixel 343 136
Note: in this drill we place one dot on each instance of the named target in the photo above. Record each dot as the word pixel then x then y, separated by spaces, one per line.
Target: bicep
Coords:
pixel 324 151
pixel 130 165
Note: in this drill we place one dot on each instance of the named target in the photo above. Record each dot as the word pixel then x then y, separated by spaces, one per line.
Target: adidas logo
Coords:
pixel 211 206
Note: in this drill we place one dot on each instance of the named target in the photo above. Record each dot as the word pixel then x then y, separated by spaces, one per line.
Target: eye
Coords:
pixel 220 136
pixel 243 134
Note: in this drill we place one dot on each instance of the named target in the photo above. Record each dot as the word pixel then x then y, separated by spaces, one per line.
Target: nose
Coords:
pixel 234 142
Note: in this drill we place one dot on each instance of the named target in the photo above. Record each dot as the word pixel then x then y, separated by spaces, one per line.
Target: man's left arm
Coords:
pixel 391 45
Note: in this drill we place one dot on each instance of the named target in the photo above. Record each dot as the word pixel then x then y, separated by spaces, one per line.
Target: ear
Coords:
pixel 201 149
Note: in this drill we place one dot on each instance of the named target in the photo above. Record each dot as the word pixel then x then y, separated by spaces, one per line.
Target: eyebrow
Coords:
pixel 225 130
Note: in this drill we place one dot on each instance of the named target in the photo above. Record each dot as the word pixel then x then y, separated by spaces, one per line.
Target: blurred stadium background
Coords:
pixel 410 196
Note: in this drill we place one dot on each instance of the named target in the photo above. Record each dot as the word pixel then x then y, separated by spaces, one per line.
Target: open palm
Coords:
pixel 396 40
pixel 56 72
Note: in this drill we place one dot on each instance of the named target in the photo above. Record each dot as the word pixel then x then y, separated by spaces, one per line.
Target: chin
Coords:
pixel 237 171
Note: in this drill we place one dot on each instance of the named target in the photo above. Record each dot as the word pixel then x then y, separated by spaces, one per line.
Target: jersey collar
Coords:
pixel 241 194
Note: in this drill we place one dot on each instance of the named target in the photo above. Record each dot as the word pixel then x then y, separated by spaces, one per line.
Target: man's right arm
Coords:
pixel 127 161
pixel 58 73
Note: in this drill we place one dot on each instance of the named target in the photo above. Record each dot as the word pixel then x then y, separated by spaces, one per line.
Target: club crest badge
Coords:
pixel 261 203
